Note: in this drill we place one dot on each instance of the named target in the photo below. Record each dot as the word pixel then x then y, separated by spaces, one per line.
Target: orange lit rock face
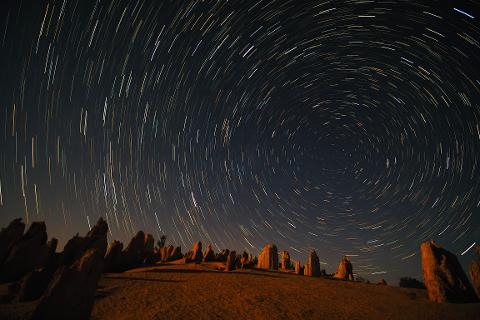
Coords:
pixel 285 260
pixel 209 255
pixel 345 270
pixel 444 277
pixel 268 258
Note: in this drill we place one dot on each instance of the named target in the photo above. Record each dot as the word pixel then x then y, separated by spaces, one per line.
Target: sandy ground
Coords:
pixel 177 291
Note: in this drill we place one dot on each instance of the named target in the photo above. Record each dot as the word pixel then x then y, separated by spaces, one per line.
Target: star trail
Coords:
pixel 351 127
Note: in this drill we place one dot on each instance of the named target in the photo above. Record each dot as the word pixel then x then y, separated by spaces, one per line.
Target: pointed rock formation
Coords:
pixel 196 254
pixel 176 254
pixel 209 255
pixel 312 268
pixel 444 277
pixel 232 257
pixel 139 249
pixel 71 292
pixel 268 258
pixel 27 254
pixel 285 260
pixel 9 236
pixel 113 258
pixel 222 256
pixel 475 272
pixel 298 268
pixel 382 282
pixel 345 270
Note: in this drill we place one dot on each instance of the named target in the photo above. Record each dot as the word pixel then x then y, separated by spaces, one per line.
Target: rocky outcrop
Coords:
pixel 268 258
pixel 34 284
pixel 475 272
pixel 27 254
pixel 222 255
pixel 71 292
pixel 114 257
pixel 231 259
pixel 298 268
pixel 176 254
pixel 285 260
pixel 382 282
pixel 312 268
pixel 196 254
pixel 345 270
pixel 444 277
pixel 165 253
pixel 139 249
pixel 209 255
pixel 9 236
pixel 246 260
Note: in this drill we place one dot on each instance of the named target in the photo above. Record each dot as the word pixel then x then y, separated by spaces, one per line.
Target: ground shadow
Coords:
pixel 211 271
pixel 141 279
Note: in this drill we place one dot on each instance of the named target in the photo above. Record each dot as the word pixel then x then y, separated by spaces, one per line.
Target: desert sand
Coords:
pixel 200 291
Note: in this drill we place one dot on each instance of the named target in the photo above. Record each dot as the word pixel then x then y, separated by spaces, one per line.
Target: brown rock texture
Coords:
pixel 285 260
pixel 70 294
pixel 139 249
pixel 268 258
pixel 197 253
pixel 444 277
pixel 344 270
pixel 113 257
pixel 209 255
pixel 222 256
pixel 176 254
pixel 9 236
pixel 27 254
pixel 232 257
pixel 475 272
pixel 298 268
pixel 312 267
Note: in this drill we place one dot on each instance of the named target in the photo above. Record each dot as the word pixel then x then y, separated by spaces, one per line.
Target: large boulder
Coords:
pixel 285 260
pixel 113 257
pixel 345 270
pixel 444 277
pixel 312 268
pixel 9 236
pixel 71 293
pixel 268 258
pixel 209 255
pixel 27 254
pixel 475 272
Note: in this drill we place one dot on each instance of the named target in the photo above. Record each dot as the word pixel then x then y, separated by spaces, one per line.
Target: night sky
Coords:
pixel 350 127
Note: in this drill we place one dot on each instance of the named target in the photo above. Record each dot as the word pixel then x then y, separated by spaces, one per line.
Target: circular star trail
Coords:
pixel 349 127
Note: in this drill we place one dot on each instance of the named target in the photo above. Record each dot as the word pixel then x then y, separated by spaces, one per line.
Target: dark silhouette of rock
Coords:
pixel 475 272
pixel 209 255
pixel 231 259
pixel 34 284
pixel 165 253
pixel 444 277
pixel 27 254
pixel 312 267
pixel 139 249
pixel 114 258
pixel 268 258
pixel 176 254
pixel 9 236
pixel 345 270
pixel 70 294
pixel 196 254
pixel 285 260
pixel 222 256
pixel 382 282
pixel 148 250
pixel 246 260
pixel 407 282
pixel 298 268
